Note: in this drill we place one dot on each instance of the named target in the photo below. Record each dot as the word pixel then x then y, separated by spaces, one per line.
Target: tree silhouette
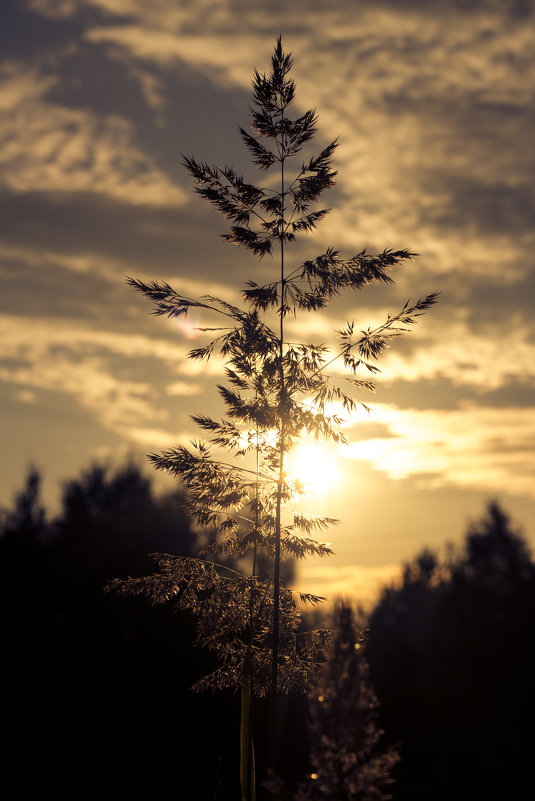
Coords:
pixel 347 760
pixel 452 655
pixel 277 393
pixel 26 522
pixel 110 519
pixel 23 531
pixel 83 673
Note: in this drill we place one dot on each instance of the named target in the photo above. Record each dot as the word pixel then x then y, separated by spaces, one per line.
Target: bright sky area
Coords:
pixel 433 105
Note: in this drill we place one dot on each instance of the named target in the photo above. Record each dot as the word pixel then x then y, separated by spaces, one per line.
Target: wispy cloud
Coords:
pixel 479 447
pixel 182 389
pixel 416 92
pixel 480 356
pixel 207 52
pixel 155 437
pixel 34 336
pixel 115 402
pixel 77 361
pixel 484 360
pixel 46 147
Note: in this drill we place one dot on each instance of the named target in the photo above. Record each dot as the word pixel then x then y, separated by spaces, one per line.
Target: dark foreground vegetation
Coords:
pixel 95 687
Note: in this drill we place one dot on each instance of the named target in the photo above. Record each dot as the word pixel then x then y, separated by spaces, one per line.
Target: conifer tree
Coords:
pixel 347 761
pixel 276 393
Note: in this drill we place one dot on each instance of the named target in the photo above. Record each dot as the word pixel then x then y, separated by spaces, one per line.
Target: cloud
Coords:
pixel 95 232
pixel 74 360
pixel 484 360
pixel 476 447
pixel 154 437
pixel 54 9
pixel 115 402
pixel 26 396
pixel 417 92
pixel 45 147
pixel 481 356
pixel 182 388
pixel 432 105
pixel 34 337
pixel 108 268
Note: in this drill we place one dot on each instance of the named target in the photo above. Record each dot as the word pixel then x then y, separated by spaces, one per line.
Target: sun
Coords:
pixel 314 468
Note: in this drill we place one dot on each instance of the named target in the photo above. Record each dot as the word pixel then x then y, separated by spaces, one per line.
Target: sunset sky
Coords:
pixel 433 103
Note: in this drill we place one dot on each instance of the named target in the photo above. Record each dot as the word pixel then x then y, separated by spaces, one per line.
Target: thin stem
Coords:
pixel 257 487
pixel 276 578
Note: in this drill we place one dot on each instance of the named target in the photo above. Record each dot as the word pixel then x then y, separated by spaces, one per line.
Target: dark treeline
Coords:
pixel 452 655
pixel 96 688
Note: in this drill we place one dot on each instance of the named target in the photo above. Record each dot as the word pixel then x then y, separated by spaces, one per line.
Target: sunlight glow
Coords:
pixel 313 467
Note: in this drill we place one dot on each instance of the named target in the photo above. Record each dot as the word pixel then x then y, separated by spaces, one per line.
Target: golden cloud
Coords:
pixel 484 360
pixel 480 447
pixel 73 359
pixel 46 147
